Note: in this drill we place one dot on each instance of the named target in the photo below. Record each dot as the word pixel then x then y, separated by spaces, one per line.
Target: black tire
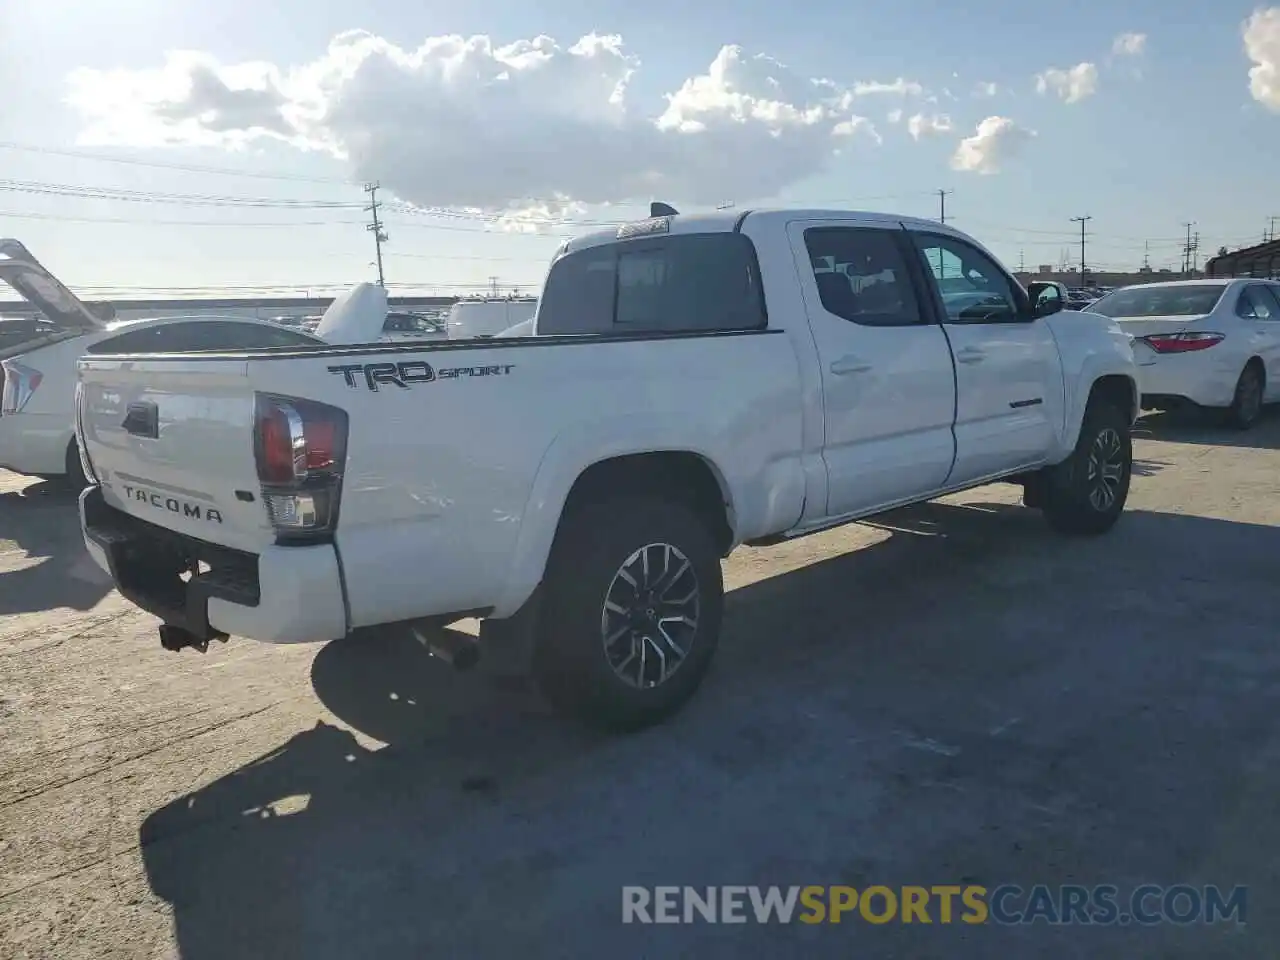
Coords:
pixel 570 661
pixel 1076 499
pixel 1246 404
pixel 75 479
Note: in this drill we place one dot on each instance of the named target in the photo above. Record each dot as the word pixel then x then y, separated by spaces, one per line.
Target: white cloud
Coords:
pixel 895 116
pixel 856 125
pixel 996 140
pixel 921 125
pixel 465 123
pixel 1262 44
pixel 900 87
pixel 1071 85
pixel 986 89
pixel 1129 44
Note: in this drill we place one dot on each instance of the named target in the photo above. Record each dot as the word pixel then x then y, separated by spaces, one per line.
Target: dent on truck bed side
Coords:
pixel 764 488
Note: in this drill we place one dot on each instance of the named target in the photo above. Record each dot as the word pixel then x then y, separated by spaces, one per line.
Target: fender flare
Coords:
pixel 567 457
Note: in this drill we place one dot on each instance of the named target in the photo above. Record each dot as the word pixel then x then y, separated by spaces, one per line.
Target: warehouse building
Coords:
pixel 1260 260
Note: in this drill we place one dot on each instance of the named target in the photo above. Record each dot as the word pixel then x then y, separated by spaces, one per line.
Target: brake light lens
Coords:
pixel 20 382
pixel 301 450
pixel 1182 342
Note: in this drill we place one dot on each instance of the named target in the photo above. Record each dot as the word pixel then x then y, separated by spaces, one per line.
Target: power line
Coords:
pixel 145 221
pixel 84 192
pixel 160 165
pixel 77 191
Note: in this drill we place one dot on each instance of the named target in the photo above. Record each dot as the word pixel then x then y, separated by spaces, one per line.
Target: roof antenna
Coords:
pixel 659 209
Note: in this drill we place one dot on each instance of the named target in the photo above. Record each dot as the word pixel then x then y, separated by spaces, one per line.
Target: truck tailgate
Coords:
pixel 171 442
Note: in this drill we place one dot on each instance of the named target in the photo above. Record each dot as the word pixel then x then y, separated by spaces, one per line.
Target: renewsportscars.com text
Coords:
pixel 1101 905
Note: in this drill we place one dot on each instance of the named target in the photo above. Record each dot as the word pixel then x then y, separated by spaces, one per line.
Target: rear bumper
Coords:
pixel 282 595
pixel 1197 377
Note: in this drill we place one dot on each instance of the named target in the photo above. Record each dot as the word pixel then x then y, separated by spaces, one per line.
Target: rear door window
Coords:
pixel 673 284
pixel 1254 304
pixel 1266 299
pixel 862 275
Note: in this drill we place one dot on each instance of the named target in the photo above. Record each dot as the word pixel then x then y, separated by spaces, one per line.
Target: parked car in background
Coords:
pixel 695 383
pixel 37 401
pixel 405 325
pixel 1213 343
pixel 15 331
pixel 488 317
pixel 38 372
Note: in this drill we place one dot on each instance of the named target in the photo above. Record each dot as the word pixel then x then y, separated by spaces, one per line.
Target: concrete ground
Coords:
pixel 953 694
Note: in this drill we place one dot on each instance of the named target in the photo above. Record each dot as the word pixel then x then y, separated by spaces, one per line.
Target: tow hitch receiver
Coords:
pixel 179 638
pixel 457 650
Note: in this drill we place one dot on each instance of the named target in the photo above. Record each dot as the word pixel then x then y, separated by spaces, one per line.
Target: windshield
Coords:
pixel 1189 300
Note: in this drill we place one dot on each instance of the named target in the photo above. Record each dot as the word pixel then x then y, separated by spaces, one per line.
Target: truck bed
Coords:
pixel 445 447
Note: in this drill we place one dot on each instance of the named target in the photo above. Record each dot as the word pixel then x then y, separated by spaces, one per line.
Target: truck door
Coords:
pixel 888 389
pixel 1009 391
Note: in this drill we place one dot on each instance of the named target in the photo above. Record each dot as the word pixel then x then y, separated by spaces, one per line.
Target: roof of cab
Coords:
pixel 724 221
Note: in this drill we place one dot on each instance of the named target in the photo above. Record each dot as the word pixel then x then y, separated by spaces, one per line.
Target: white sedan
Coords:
pixel 38 371
pixel 1214 343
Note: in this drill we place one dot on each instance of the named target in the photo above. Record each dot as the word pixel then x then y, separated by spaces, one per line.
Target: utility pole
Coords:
pixel 375 227
pixel 1146 256
pixel 1271 228
pixel 942 205
pixel 493 287
pixel 1186 249
pixel 1082 221
pixel 1022 261
pixel 1195 253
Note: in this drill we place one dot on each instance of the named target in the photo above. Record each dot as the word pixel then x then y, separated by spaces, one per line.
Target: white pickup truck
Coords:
pixel 696 382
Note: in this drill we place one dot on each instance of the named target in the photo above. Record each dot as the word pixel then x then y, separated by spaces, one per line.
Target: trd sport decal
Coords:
pixel 409 372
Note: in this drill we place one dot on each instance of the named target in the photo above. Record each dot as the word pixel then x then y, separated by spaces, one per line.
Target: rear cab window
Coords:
pixel 681 283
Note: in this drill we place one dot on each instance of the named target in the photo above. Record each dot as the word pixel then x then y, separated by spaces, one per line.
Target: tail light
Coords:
pixel 301 449
pixel 86 465
pixel 1181 342
pixel 20 382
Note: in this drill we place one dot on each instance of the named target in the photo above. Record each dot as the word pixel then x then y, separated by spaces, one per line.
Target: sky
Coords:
pixel 173 147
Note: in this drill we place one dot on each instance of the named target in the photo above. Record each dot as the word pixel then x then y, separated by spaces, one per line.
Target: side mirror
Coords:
pixel 1043 305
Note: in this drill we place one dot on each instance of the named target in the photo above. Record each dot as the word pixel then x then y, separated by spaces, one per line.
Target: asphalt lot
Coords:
pixel 953 694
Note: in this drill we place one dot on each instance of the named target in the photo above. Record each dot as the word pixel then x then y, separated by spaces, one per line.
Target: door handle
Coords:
pixel 971 355
pixel 849 365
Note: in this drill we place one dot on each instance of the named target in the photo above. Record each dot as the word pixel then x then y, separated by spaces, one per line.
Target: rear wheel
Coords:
pixel 632 615
pixel 1246 405
pixel 1086 493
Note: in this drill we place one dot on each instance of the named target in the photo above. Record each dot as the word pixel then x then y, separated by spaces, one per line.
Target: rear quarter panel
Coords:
pixel 454 487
